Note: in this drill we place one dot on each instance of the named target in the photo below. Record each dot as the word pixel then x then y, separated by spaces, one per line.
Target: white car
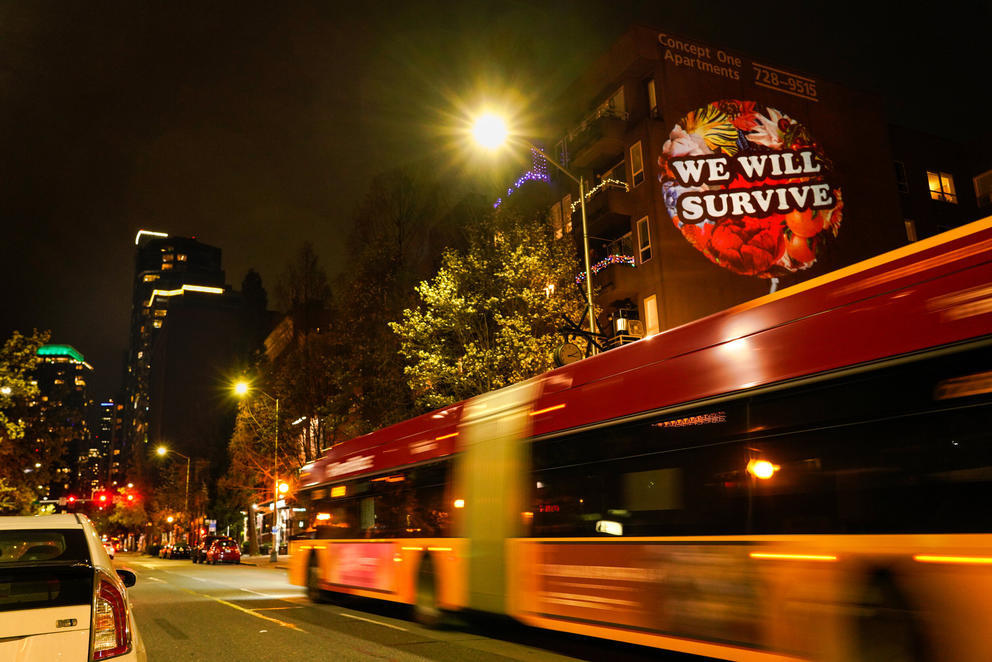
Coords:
pixel 60 597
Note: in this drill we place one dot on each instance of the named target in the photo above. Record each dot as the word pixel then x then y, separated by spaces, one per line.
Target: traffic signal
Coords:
pixel 130 497
pixel 102 498
pixel 71 499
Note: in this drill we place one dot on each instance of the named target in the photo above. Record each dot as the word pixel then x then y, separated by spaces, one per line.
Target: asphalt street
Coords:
pixel 187 611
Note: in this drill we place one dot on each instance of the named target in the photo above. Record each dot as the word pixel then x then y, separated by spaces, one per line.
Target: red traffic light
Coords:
pixel 72 499
pixel 130 497
pixel 103 498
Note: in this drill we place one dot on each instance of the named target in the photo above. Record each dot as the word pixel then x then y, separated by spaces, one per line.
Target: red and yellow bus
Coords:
pixel 804 476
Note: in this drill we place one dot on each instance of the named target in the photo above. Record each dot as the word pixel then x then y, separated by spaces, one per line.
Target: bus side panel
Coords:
pixel 758 598
pixel 492 477
pixel 384 569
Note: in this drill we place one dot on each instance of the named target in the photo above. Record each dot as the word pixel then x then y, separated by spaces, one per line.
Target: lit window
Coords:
pixel 636 164
pixel 167 266
pixel 650 309
pixel 161 313
pixel 644 239
pixel 652 98
pixel 148 278
pixel 167 257
pixel 157 324
pixel 942 186
pixel 910 229
pixel 983 189
pixel 181 257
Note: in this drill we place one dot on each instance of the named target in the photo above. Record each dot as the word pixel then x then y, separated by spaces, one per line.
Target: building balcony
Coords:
pixel 609 208
pixel 617 282
pixel 597 140
pixel 615 277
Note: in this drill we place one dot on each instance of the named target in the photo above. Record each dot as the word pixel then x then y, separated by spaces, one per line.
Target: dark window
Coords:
pixel 902 182
pixel 402 504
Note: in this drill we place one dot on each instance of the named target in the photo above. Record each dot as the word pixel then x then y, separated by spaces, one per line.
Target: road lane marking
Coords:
pixel 370 620
pixel 275 608
pixel 242 609
pixel 264 595
pixel 155 579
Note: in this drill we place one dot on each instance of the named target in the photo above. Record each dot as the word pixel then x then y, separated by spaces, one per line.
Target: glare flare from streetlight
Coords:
pixel 490 131
pixel 241 388
pixel 161 450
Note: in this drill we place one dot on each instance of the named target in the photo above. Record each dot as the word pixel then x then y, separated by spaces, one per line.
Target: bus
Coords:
pixel 806 476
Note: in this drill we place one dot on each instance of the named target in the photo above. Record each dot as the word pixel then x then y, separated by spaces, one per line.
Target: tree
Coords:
pixel 397 238
pixel 255 465
pixel 33 436
pixel 491 315
pixel 18 359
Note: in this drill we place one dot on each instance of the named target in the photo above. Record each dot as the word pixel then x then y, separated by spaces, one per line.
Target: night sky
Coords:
pixel 255 126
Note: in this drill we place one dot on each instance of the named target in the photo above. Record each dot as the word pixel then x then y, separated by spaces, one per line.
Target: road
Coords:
pixel 196 612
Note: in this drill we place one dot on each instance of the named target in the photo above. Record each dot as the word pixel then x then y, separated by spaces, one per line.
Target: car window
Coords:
pixel 37 569
pixel 32 545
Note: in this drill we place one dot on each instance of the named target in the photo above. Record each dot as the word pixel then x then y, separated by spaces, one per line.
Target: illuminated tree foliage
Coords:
pixel 33 439
pixel 492 314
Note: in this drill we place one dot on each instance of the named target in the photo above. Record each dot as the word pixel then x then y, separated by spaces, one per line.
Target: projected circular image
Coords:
pixel 749 187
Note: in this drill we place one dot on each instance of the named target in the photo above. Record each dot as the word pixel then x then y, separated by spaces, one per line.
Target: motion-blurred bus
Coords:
pixel 804 476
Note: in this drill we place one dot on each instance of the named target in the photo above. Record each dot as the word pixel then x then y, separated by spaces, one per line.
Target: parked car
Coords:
pixel 223 550
pixel 61 597
pixel 164 551
pixel 180 550
pixel 199 552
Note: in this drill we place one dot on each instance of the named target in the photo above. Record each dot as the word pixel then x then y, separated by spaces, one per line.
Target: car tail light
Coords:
pixel 111 634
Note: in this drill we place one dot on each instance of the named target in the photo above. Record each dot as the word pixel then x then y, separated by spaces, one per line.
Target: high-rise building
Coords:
pixel 166 268
pixel 185 332
pixel 61 374
pixel 713 178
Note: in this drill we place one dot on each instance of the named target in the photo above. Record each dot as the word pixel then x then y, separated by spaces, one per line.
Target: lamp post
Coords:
pixel 242 389
pixel 490 132
pixel 163 451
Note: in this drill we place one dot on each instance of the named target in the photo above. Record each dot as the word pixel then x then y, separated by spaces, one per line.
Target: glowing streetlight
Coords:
pixel 170 519
pixel 283 488
pixel 490 131
pixel 6 390
pixel 242 388
pixel 163 451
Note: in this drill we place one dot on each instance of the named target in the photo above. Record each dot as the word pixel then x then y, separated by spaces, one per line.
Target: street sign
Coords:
pixel 212 525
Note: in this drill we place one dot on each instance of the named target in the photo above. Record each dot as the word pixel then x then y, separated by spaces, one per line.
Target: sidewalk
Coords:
pixel 265 562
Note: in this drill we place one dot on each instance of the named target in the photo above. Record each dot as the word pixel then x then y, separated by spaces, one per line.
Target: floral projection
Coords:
pixel 749 187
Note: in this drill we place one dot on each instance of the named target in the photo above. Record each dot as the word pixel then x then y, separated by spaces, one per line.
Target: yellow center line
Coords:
pixel 275 608
pixel 242 609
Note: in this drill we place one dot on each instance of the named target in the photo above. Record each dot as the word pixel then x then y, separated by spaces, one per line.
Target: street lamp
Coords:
pixel 242 389
pixel 490 132
pixel 163 451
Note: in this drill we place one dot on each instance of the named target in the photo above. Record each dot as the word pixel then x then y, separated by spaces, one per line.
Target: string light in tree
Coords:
pixel 537 173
